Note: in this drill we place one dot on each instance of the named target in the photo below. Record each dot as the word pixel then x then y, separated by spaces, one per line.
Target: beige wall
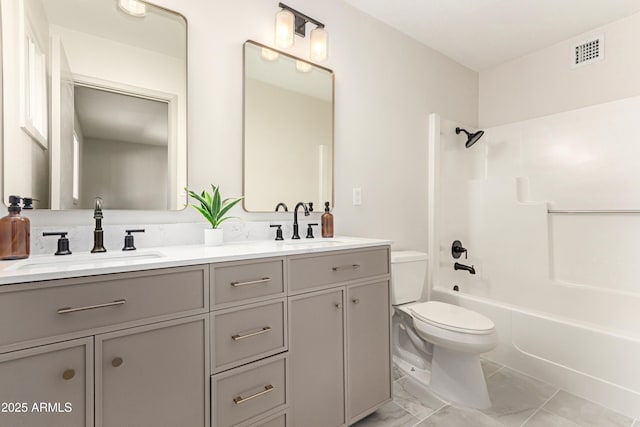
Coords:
pixel 386 85
pixel 544 83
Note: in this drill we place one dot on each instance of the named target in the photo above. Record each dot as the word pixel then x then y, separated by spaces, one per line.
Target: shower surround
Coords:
pixel 549 210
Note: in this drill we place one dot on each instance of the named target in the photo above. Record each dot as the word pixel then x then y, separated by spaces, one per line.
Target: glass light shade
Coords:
pixel 133 7
pixel 302 66
pixel 284 29
pixel 319 44
pixel 269 54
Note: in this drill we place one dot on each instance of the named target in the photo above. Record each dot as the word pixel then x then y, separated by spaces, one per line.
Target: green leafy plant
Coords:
pixel 211 206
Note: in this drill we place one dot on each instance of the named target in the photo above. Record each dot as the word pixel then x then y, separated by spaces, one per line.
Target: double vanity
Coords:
pixel 245 334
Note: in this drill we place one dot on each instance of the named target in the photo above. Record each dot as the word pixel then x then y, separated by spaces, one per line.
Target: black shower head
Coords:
pixel 472 138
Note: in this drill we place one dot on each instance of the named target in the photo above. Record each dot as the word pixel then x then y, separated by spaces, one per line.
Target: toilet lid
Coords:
pixel 453 317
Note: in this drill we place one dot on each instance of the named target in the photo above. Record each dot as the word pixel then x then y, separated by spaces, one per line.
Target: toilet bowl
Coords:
pixel 436 343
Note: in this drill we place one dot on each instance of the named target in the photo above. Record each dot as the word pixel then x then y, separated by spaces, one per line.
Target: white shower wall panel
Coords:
pixel 562 288
pixel 599 251
pixel 580 159
pixel 495 195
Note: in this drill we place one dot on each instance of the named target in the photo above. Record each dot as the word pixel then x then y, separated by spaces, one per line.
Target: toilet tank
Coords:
pixel 408 271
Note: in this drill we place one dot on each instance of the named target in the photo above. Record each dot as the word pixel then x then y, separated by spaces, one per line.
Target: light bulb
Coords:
pixel 133 7
pixel 319 44
pixel 284 29
pixel 269 54
pixel 302 66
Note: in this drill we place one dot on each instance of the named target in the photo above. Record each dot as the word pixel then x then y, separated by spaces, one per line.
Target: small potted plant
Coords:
pixel 214 209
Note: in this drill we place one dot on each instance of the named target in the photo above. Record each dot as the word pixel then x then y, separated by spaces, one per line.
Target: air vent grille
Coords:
pixel 588 52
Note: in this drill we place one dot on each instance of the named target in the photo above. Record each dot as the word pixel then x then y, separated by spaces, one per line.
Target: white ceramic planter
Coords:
pixel 213 236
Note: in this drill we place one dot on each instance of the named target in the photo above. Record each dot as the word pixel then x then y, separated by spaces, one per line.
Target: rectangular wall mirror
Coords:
pixel 288 130
pixel 95 104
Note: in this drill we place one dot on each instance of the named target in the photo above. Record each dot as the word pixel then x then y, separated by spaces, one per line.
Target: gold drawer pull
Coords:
pixel 91 307
pixel 68 374
pixel 238 337
pixel 117 361
pixel 267 389
pixel 251 282
pixel 346 267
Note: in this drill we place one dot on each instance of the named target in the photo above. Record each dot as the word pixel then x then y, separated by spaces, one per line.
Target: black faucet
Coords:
pixel 458 266
pixel 281 204
pixel 295 219
pixel 98 233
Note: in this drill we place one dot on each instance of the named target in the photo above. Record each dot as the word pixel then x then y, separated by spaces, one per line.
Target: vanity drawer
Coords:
pixel 246 281
pixel 241 395
pixel 34 311
pixel 309 271
pixel 242 335
pixel 278 420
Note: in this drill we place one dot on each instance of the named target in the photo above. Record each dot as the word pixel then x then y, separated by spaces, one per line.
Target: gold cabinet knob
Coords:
pixel 338 305
pixel 117 361
pixel 68 374
pixel 356 301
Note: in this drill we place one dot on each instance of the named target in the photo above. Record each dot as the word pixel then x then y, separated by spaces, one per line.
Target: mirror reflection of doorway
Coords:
pixel 121 151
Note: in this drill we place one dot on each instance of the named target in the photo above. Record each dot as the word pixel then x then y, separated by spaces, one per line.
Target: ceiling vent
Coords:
pixel 588 51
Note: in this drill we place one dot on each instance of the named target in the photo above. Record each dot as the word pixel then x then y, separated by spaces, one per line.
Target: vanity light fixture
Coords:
pixel 133 7
pixel 289 22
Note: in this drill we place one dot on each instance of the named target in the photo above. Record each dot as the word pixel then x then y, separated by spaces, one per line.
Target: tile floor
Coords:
pixel 518 401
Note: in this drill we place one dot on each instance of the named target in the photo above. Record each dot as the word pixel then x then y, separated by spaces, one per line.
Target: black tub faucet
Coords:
pixel 98 233
pixel 295 219
pixel 458 266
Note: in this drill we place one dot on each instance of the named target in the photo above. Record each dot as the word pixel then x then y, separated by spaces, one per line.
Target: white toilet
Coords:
pixel 436 343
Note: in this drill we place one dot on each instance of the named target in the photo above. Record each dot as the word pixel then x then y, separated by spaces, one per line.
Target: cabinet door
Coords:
pixel 316 345
pixel 368 342
pixel 155 375
pixel 48 386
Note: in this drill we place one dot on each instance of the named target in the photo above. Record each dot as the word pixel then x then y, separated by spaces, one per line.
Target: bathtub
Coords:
pixel 600 365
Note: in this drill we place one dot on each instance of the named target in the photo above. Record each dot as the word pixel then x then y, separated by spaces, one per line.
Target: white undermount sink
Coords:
pixel 101 259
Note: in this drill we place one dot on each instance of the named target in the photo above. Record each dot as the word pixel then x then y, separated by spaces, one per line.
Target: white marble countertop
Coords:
pixel 49 267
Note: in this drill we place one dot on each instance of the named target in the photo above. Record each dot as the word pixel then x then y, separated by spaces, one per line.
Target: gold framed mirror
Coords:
pixel 288 130
pixel 111 84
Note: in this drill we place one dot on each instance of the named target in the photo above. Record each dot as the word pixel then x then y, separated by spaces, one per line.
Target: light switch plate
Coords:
pixel 357 196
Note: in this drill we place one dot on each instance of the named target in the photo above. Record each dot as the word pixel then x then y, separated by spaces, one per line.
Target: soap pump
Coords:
pixel 15 232
pixel 327 221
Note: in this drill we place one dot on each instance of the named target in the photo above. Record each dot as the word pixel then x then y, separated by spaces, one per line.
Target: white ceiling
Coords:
pixel 483 33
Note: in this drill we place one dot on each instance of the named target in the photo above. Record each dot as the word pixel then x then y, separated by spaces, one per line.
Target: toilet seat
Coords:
pixel 452 317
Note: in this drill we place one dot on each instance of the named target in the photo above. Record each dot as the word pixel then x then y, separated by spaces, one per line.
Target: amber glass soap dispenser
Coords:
pixel 327 221
pixel 15 232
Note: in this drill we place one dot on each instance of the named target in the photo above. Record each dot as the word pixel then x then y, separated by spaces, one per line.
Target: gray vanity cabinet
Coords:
pixel 368 357
pixel 340 336
pixel 249 343
pixel 136 344
pixel 63 397
pixel 154 375
pixel 316 346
